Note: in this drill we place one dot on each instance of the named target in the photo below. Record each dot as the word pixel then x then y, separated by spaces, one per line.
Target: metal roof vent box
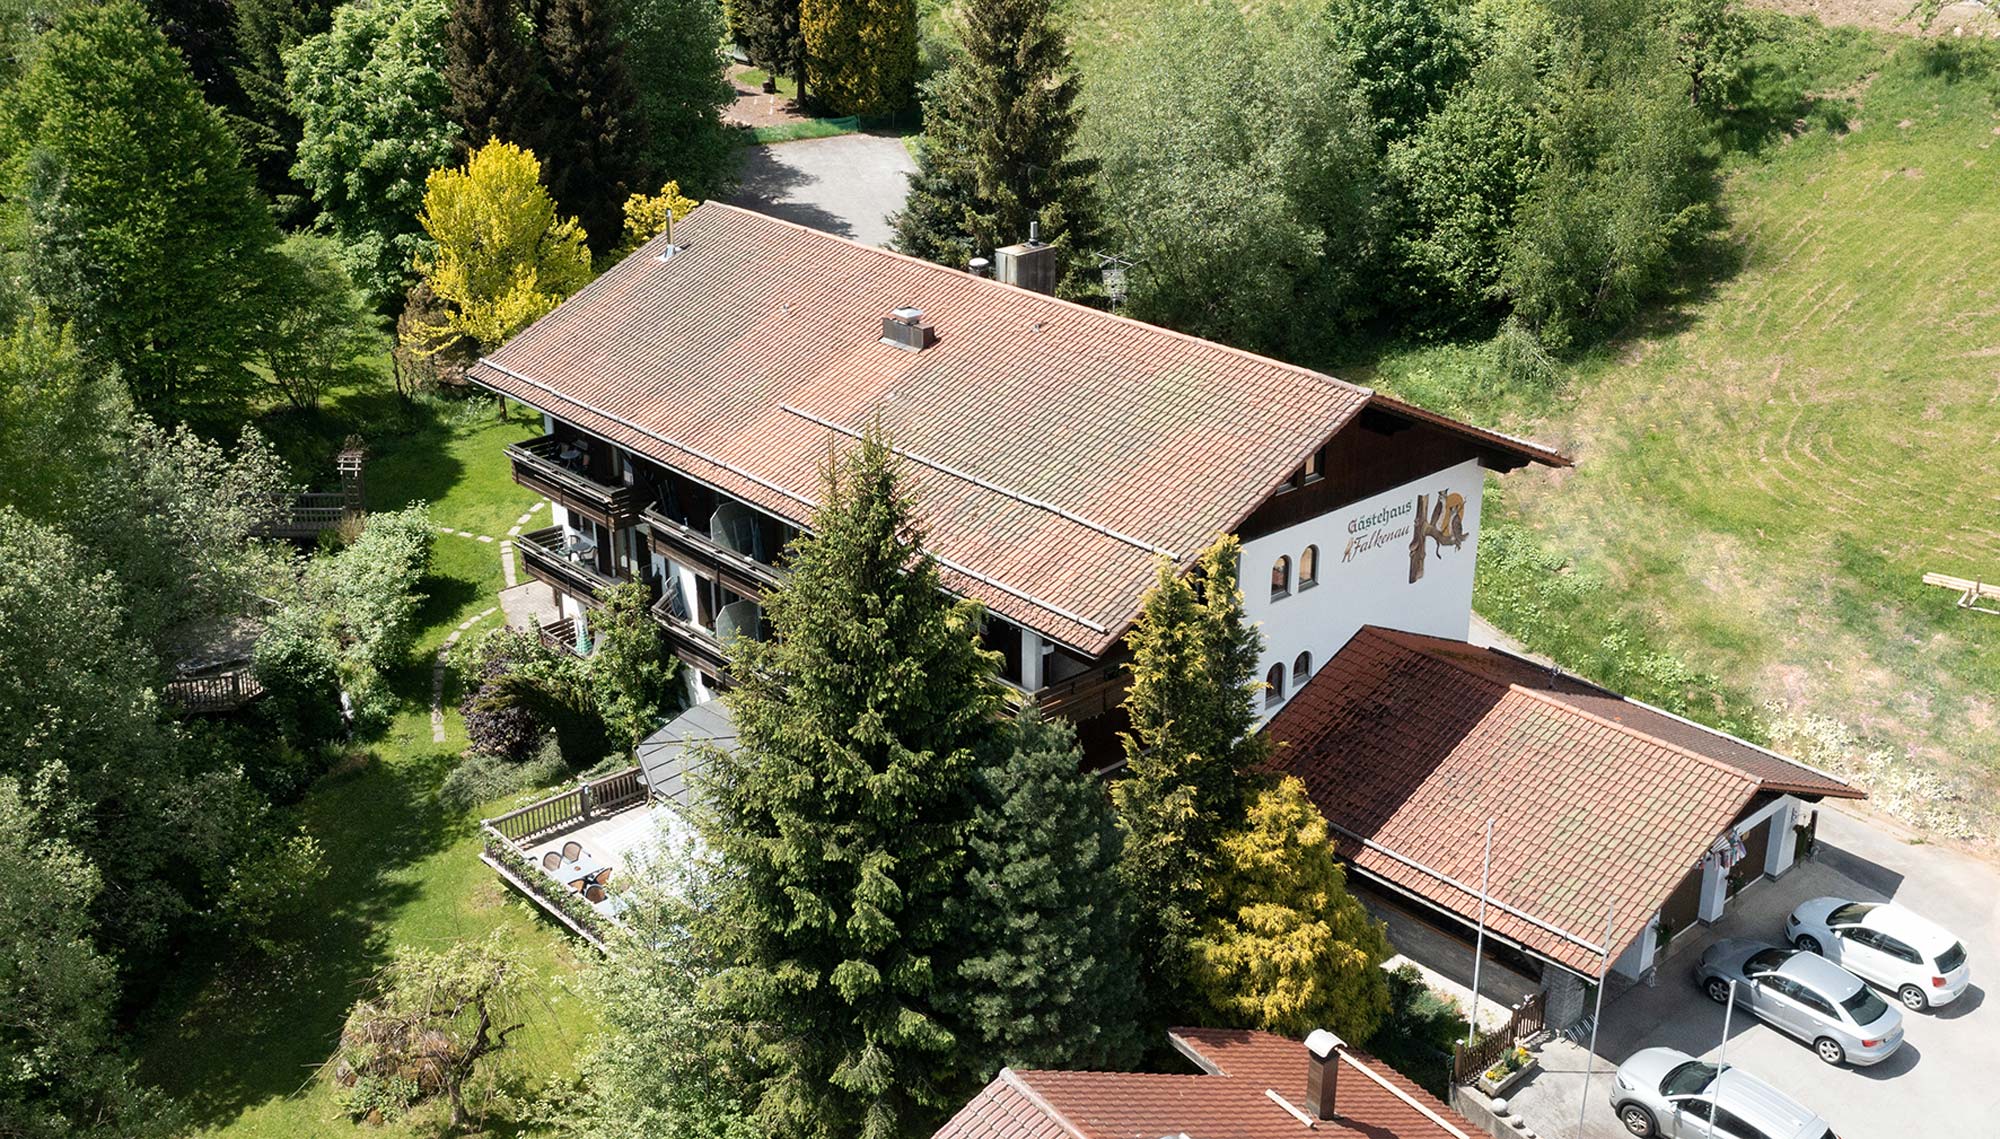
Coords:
pixel 905 328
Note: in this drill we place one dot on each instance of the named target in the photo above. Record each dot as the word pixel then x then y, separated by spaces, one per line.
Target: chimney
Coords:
pixel 905 328
pixel 1031 265
pixel 1322 1072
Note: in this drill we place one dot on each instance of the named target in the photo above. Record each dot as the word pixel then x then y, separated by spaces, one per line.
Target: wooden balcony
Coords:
pixel 561 636
pixel 213 692
pixel 738 572
pixel 690 642
pixel 540 466
pixel 1092 693
pixel 543 556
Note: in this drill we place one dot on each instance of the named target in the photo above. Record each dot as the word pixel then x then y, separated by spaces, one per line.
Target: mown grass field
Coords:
pixel 1766 469
pixel 238 1042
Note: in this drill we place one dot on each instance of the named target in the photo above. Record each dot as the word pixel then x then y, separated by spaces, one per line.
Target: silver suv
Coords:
pixel 1664 1092
pixel 1806 995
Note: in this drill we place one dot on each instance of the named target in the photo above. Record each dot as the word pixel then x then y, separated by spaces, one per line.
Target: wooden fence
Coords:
pixel 222 692
pixel 573 807
pixel 1529 1017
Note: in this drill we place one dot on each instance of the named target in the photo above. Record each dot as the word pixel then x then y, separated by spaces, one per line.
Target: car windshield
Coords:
pixel 1864 1006
pixel 1951 958
pixel 1849 914
pixel 1767 960
pixel 1688 1079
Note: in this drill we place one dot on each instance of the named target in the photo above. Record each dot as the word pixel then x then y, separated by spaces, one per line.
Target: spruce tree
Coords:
pixel 143 227
pixel 1000 126
pixel 266 126
pixel 593 136
pixel 843 816
pixel 769 34
pixel 1052 982
pixel 490 68
pixel 1188 756
pixel 861 55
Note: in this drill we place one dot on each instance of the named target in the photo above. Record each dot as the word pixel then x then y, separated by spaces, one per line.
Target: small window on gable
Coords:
pixel 1281 577
pixel 1274 686
pixel 1312 472
pixel 1302 669
pixel 1309 567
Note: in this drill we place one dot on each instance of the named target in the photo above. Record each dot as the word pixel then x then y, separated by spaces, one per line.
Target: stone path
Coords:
pixel 507 571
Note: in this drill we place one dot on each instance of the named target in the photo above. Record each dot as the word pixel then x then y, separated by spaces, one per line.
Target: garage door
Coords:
pixel 1750 867
pixel 1684 904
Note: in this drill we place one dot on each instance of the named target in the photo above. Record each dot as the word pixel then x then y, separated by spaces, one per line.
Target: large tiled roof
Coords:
pixel 1409 743
pixel 1231 1101
pixel 1055 450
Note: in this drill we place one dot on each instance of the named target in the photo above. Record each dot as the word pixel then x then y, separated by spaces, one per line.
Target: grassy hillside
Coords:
pixel 1766 470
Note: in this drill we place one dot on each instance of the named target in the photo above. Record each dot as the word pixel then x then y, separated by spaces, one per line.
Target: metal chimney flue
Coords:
pixel 1032 265
pixel 1323 1050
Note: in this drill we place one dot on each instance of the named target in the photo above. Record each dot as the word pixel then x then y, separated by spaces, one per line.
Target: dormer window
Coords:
pixel 1311 472
pixel 1281 578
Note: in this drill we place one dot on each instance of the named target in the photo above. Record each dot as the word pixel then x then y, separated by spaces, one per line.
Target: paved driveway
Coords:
pixel 1940 1083
pixel 848 184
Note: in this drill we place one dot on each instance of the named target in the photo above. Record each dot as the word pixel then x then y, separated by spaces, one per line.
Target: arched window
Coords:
pixel 1281 577
pixel 1309 568
pixel 1302 669
pixel 1274 686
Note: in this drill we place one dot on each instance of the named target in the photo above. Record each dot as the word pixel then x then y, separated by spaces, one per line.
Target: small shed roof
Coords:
pixel 670 757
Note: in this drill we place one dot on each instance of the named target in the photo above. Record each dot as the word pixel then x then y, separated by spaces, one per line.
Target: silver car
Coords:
pixel 1668 1093
pixel 1806 995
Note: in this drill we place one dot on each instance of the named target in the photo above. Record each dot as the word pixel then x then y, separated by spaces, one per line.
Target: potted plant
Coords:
pixel 1513 1066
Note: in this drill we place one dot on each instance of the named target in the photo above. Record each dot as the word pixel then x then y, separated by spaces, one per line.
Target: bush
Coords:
pixel 270 888
pixel 1416 1037
pixel 296 664
pixel 480 779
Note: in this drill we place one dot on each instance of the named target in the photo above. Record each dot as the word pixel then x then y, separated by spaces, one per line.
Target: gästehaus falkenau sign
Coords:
pixel 1414 525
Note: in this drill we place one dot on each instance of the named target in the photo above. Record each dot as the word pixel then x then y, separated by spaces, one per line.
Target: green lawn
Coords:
pixel 1766 470
pixel 238 1042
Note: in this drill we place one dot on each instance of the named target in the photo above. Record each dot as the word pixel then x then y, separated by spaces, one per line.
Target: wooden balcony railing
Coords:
pixel 1089 694
pixel 543 557
pixel 539 466
pixel 1528 1018
pixel 741 573
pixel 689 641
pixel 574 807
pixel 561 636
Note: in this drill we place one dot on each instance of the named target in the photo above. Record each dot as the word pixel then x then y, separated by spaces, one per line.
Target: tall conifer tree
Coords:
pixel 1000 127
pixel 266 126
pixel 861 55
pixel 490 68
pixel 1051 982
pixel 772 39
pixel 843 819
pixel 1188 756
pixel 593 136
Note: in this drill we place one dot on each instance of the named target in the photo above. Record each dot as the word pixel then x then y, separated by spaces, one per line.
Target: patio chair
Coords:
pixel 594 893
pixel 572 850
pixel 604 875
pixel 551 860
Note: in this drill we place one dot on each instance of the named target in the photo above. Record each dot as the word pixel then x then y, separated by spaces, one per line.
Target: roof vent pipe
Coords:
pixel 979 267
pixel 1322 1072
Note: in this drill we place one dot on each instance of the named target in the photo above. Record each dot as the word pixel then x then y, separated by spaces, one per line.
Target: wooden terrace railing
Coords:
pixel 573 807
pixel 1529 1017
pixel 220 692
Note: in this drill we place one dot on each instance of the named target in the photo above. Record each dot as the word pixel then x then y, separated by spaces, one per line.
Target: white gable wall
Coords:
pixel 1364 574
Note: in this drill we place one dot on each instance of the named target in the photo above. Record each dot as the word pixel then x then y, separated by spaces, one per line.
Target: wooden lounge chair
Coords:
pixel 572 850
pixel 551 860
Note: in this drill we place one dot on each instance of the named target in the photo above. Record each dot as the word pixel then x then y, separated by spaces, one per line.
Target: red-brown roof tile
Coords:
pixel 1055 449
pixel 1230 1101
pixel 1408 744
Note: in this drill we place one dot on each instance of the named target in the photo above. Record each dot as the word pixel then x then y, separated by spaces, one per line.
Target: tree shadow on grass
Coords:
pixel 236 1032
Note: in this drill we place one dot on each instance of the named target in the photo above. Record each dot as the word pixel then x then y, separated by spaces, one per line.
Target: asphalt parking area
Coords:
pixel 847 185
pixel 1940 1083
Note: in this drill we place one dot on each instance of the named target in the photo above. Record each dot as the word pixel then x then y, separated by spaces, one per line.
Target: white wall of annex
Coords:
pixel 1364 574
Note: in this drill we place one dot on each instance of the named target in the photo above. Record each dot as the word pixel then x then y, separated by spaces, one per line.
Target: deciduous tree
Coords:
pixel 1288 949
pixel 999 153
pixel 316 331
pixel 1051 980
pixel 631 673
pixel 144 229
pixel 500 258
pixel 861 55
pixel 673 51
pixel 1405 56
pixel 842 819
pixel 374 107
pixel 1188 755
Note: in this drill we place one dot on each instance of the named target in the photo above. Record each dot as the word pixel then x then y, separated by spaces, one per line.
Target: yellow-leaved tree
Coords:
pixel 502 258
pixel 1287 948
pixel 647 215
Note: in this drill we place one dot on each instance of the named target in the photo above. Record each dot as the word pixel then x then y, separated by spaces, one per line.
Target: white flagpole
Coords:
pixel 1596 1018
pixel 1479 940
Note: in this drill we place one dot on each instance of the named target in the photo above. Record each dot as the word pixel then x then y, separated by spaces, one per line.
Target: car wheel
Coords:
pixel 1829 1050
pixel 1718 990
pixel 1808 942
pixel 1637 1120
pixel 1913 998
